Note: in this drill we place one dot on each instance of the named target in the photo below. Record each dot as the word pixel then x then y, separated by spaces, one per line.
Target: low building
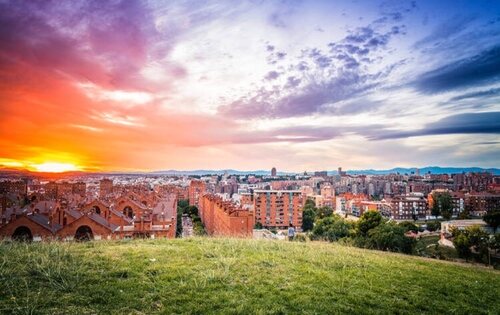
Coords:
pixel 409 207
pixel 481 203
pixel 448 226
pixel 122 218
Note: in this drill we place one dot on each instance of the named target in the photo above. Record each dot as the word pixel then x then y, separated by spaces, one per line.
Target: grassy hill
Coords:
pixel 204 276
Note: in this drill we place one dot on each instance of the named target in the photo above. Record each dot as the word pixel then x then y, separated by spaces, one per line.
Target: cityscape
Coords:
pixel 144 205
pixel 276 157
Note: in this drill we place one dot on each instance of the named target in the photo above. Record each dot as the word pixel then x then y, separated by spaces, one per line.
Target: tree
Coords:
pixel 324 212
pixel 183 203
pixel 433 226
pixel 462 245
pixel 332 228
pixel 474 238
pixel 178 230
pixel 258 226
pixel 480 241
pixel 308 217
pixel 368 221
pixel 443 205
pixel 495 242
pixel 493 219
pixel 409 226
pixel 390 237
pixel 191 211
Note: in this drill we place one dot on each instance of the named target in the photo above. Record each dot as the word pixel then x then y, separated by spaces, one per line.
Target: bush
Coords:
pixel 391 237
pixel 433 226
pixel 409 226
pixel 332 228
pixel 368 221
pixel 462 245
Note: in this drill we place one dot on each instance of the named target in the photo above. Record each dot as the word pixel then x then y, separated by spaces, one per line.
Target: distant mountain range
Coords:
pixel 400 170
pixel 424 170
pixel 432 169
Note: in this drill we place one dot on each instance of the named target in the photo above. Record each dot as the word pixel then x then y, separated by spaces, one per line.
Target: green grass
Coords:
pixel 213 276
pixel 429 247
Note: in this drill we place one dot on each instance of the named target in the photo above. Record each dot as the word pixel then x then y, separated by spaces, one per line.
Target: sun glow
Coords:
pixel 54 167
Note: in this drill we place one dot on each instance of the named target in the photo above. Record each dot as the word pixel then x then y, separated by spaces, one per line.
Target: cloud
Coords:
pixel 319 78
pixel 272 75
pixel 468 123
pixel 445 30
pixel 86 41
pixel 479 69
pixel 477 94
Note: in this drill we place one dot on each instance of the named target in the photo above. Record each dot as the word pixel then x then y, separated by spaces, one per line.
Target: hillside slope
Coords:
pixel 204 276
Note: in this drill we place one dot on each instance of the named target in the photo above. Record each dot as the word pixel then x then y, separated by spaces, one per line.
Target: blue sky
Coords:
pixel 300 85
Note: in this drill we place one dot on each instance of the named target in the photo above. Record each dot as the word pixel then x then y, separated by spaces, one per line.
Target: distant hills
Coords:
pixel 424 170
pixel 10 172
pixel 400 170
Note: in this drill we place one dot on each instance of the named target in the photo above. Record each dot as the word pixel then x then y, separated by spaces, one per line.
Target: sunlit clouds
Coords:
pixel 148 85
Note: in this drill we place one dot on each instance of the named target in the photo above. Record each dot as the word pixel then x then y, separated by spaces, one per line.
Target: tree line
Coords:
pixel 370 231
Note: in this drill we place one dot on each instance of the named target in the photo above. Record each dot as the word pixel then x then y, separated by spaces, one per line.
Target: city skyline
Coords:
pixel 146 85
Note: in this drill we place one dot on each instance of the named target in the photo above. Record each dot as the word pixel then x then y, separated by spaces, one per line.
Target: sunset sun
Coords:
pixel 55 167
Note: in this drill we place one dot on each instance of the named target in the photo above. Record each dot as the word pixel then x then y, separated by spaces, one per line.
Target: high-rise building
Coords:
pixel 105 187
pixel 273 171
pixel 278 208
pixel 196 189
pixel 340 172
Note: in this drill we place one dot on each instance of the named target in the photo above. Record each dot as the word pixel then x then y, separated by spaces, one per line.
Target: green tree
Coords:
pixel 493 219
pixel 310 204
pixel 480 241
pixel 332 228
pixel 178 230
pixel 258 226
pixel 390 237
pixel 191 211
pixel 443 205
pixel 495 242
pixel 308 217
pixel 433 226
pixel 368 221
pixel 183 203
pixel 409 226
pixel 462 245
pixel 324 212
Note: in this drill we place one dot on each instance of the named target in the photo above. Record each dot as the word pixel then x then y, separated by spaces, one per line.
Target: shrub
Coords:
pixel 368 221
pixel 390 237
pixel 409 226
pixel 433 226
pixel 332 228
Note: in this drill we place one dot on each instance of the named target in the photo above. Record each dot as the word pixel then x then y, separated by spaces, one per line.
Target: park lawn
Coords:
pixel 233 276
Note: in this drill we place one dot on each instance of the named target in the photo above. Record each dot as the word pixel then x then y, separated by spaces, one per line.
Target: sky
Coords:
pixel 299 85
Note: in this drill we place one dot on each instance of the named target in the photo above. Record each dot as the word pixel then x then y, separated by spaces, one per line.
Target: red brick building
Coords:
pixel 278 208
pixel 409 207
pixel 225 218
pixel 105 187
pixel 122 218
pixel 196 190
